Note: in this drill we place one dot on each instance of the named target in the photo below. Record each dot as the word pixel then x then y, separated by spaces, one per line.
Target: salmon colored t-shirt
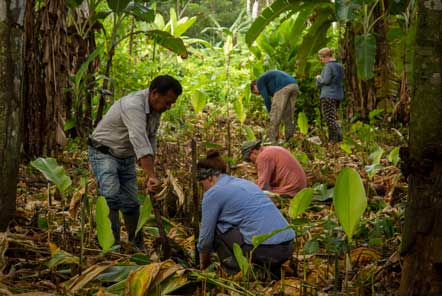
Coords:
pixel 279 172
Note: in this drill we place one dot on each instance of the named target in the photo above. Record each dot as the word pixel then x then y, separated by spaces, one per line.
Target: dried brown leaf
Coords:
pixel 176 188
pixel 74 206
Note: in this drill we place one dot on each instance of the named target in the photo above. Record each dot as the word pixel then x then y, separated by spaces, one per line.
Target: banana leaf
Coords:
pixel 365 45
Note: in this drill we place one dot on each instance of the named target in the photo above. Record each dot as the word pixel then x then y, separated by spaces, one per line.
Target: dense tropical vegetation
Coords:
pixel 369 216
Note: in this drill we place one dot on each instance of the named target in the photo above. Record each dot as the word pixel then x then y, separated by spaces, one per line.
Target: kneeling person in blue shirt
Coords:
pixel 235 210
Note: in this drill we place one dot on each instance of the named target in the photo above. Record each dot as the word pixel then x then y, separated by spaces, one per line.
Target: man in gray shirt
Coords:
pixel 127 134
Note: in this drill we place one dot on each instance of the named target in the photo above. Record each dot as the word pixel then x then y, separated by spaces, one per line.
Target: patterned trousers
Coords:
pixel 283 109
pixel 328 109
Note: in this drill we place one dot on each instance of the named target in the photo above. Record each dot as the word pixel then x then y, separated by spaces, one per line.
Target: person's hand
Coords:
pixel 153 184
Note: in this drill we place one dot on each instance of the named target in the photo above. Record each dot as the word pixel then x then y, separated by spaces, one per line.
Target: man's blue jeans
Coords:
pixel 117 180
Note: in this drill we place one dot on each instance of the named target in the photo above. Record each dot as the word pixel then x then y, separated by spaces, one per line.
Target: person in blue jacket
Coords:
pixel 235 210
pixel 279 91
pixel 332 93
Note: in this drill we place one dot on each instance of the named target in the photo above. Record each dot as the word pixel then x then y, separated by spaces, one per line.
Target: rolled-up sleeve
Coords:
pixel 210 212
pixel 135 121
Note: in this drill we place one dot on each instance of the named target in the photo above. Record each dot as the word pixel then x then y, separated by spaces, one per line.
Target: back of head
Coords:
pixel 252 85
pixel 247 147
pixel 164 83
pixel 213 161
pixel 326 52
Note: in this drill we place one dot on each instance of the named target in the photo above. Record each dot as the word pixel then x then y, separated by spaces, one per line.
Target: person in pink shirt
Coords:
pixel 278 170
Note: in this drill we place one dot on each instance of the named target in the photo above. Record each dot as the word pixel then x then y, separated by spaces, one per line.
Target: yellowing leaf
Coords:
pixel 138 282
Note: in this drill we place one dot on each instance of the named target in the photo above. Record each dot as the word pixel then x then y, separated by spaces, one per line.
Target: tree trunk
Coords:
pixel 47 64
pixel 422 237
pixel 11 66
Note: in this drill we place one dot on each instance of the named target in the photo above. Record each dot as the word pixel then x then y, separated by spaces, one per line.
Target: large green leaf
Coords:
pixel 298 27
pixel 168 41
pixel 145 213
pixel 53 172
pixel 269 14
pixel 139 281
pixel 365 45
pixel 104 231
pixel 83 68
pixel 179 26
pixel 140 12
pixel 300 202
pixel 345 9
pixel 276 9
pixel 303 123
pixel 117 5
pixel 198 99
pixel 349 199
pixel 240 259
pixel 315 39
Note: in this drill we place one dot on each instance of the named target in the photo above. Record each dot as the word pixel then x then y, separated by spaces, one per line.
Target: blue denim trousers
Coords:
pixel 117 180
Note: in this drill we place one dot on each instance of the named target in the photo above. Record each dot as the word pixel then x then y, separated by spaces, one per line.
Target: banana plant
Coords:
pixel 78 88
pixel 365 43
pixel 309 42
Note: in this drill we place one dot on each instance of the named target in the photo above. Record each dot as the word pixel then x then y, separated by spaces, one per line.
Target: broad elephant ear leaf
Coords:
pixel 53 172
pixel 300 202
pixel 350 200
pixel 104 231
pixel 168 41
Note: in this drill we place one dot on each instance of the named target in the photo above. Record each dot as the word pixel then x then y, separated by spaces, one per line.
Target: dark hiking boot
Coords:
pixel 114 217
pixel 230 266
pixel 131 222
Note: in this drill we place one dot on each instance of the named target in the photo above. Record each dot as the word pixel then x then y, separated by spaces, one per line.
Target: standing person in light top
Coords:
pixel 332 92
pixel 235 210
pixel 278 170
pixel 283 89
pixel 125 135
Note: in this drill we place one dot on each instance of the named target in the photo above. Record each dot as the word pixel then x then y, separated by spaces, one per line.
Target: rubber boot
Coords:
pixel 114 217
pixel 131 222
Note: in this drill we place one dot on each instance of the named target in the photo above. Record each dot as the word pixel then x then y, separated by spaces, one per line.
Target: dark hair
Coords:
pixel 164 83
pixel 252 84
pixel 213 161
